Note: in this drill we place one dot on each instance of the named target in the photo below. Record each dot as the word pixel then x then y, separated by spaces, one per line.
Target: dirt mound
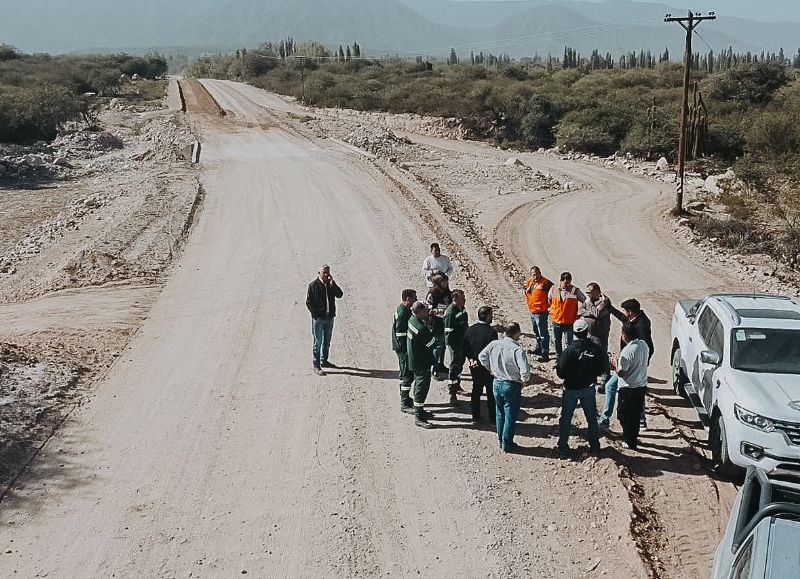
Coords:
pixel 32 388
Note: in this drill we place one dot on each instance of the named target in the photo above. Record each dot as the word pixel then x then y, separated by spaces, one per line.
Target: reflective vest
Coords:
pixel 536 294
pixel 564 312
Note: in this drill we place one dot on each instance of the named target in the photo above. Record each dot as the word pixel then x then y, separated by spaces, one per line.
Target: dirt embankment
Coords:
pixel 89 226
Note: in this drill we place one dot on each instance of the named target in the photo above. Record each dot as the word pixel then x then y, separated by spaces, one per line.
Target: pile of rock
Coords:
pixel 86 144
pixel 48 230
pixel 447 128
pixel 513 174
pixel 378 141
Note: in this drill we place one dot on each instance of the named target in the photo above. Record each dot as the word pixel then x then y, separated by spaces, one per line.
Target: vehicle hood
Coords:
pixel 768 394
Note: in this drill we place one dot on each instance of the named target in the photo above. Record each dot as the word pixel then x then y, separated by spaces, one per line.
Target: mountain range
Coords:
pixel 408 27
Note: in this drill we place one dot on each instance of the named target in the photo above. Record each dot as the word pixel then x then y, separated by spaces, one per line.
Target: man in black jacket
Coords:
pixel 633 314
pixel 579 366
pixel 477 337
pixel 321 302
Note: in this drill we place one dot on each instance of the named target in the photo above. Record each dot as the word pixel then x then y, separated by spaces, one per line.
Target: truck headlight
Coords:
pixel 752 419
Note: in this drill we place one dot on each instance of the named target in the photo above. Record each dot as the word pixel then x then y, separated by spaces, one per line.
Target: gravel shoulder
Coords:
pixel 89 227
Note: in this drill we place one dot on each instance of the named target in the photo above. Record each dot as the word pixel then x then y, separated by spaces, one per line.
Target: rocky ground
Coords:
pixel 94 212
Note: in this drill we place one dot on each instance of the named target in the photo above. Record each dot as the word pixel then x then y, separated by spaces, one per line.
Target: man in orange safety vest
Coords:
pixel 564 303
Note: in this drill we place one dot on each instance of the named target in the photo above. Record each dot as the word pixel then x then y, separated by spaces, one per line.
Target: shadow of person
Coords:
pixel 362 373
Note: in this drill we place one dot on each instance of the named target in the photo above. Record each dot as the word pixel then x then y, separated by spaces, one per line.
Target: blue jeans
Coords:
pixel 611 397
pixel 541 331
pixel 560 330
pixel 507 399
pixel 321 332
pixel 569 401
pixel 439 348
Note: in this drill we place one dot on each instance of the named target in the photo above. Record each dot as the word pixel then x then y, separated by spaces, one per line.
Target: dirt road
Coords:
pixel 211 450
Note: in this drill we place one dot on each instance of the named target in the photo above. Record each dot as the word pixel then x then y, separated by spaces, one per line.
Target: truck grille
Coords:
pixel 791 429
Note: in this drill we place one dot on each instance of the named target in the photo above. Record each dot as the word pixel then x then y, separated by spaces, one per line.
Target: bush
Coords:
pixel 736 234
pixel 538 122
pixel 662 141
pixel 725 140
pixel 152 66
pixel 751 83
pixel 575 136
pixel 36 114
pixel 8 52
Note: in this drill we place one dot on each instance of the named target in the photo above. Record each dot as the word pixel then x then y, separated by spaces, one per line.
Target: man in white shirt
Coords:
pixel 506 361
pixel 435 263
pixel 632 372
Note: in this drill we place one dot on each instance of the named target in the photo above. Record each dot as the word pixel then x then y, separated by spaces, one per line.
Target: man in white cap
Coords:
pixel 579 366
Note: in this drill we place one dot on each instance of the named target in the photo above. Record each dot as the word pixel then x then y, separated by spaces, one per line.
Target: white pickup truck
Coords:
pixel 737 359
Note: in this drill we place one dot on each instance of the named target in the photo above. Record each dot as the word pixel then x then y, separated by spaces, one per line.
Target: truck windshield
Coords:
pixel 773 351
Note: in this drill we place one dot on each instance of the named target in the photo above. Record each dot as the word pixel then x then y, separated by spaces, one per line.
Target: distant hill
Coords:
pixel 423 27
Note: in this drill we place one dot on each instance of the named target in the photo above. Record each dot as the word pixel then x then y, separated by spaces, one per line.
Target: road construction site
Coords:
pixel 156 364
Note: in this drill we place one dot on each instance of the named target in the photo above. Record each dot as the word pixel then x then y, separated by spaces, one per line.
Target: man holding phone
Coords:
pixel 321 302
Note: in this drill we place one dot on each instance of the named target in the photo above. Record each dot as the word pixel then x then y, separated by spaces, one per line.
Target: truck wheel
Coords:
pixel 718 440
pixel 678 377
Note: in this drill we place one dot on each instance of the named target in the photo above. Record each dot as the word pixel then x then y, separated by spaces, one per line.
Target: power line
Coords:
pixel 688 23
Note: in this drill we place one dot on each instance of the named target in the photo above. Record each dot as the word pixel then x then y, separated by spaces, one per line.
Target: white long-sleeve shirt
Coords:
pixel 432 265
pixel 506 360
pixel 632 369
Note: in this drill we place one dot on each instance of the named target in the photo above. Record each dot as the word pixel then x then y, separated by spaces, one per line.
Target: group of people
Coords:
pixel 582 322
pixel 580 325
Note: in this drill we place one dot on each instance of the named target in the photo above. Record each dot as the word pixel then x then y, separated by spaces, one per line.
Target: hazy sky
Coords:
pixel 763 10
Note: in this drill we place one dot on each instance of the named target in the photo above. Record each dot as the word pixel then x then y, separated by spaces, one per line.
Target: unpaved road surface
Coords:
pixel 211 450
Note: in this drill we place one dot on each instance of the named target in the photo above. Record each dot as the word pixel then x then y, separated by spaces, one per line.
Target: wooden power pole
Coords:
pixel 689 24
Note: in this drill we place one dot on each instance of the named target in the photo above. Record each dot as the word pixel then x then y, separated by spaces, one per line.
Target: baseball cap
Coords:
pixel 580 326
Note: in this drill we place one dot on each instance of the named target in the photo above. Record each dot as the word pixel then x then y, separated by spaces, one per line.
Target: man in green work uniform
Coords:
pixel 399 345
pixel 455 326
pixel 420 358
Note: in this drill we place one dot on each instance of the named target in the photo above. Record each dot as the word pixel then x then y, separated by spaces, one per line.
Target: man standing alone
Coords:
pixel 400 347
pixel 456 322
pixel 564 302
pixel 537 289
pixel 632 373
pixel 435 263
pixel 321 302
pixel 507 362
pixel 420 358
pixel 479 336
pixel 579 366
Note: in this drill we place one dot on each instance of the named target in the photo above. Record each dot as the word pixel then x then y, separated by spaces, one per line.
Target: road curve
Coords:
pixel 211 450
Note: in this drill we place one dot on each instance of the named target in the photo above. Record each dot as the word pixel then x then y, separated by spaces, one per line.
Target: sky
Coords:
pixel 763 10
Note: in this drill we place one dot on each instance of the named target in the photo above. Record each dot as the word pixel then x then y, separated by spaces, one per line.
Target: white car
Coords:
pixel 737 359
pixel 763 534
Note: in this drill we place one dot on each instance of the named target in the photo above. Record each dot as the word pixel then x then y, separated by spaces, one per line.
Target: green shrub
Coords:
pixel 8 52
pixel 751 83
pixel 574 136
pixel 35 113
pixel 151 66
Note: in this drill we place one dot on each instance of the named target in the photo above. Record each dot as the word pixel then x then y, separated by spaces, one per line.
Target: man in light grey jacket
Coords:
pixel 632 372
pixel 506 361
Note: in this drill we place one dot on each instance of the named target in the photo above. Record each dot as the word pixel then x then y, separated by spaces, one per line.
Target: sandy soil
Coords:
pixel 84 249
pixel 211 450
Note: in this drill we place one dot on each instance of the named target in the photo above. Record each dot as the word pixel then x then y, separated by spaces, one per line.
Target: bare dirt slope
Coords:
pixel 211 450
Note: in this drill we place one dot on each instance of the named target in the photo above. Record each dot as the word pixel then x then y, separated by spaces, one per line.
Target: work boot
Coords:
pixel 421 420
pixel 407 406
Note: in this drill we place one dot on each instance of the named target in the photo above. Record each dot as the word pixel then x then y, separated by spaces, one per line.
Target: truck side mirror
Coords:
pixel 710 358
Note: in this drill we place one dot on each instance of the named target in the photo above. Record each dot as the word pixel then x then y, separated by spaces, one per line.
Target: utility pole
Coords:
pixel 689 24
